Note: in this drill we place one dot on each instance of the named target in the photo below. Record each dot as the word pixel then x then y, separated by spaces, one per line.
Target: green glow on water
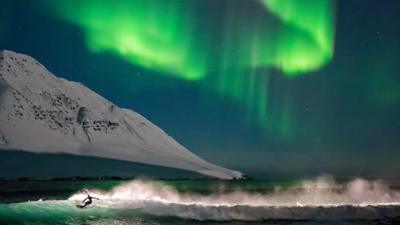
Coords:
pixel 48 212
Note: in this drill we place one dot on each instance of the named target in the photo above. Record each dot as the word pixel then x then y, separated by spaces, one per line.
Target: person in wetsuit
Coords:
pixel 87 201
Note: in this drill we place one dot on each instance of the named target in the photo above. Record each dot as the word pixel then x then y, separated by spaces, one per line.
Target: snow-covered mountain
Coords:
pixel 40 112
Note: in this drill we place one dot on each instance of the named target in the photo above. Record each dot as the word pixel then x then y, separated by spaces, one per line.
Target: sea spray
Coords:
pixel 320 199
pixel 322 191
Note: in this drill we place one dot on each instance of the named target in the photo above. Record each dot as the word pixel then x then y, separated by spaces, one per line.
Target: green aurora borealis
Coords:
pixel 152 34
pixel 309 45
pixel 232 58
pixel 273 87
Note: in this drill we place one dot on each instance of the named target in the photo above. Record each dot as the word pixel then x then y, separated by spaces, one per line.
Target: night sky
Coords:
pixel 268 87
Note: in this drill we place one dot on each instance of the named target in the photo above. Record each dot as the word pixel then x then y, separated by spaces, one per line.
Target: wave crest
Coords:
pixel 321 198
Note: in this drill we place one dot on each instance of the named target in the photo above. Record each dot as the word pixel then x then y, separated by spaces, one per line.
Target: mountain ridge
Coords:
pixel 40 112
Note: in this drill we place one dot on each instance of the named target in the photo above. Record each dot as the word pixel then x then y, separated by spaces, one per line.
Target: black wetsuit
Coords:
pixel 87 201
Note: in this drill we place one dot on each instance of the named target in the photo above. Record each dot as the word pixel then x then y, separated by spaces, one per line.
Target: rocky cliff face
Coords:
pixel 40 112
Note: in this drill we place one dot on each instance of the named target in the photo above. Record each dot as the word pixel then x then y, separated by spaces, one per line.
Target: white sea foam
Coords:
pixel 321 198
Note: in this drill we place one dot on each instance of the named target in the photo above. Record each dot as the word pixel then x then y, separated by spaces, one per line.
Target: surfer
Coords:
pixel 87 201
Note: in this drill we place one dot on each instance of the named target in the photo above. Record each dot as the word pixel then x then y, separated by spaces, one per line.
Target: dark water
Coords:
pixel 318 201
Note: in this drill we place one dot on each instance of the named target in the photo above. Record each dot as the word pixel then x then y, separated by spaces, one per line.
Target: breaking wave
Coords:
pixel 321 199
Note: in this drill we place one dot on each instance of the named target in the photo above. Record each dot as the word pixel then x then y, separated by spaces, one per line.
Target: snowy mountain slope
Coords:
pixel 40 112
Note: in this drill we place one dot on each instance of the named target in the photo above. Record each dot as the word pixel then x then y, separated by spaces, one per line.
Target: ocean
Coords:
pixel 323 201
